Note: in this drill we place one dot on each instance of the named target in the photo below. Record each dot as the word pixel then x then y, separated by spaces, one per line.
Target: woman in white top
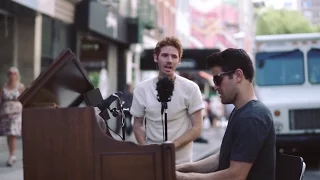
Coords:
pixel 11 111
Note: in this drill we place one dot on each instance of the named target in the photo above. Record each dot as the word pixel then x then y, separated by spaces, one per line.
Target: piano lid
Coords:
pixel 63 84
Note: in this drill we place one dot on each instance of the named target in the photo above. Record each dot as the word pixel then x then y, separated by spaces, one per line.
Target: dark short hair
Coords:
pixel 232 59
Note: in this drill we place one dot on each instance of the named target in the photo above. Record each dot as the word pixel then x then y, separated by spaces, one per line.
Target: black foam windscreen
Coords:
pixel 165 87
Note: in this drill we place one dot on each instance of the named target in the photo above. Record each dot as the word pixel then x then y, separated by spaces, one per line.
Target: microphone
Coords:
pixel 165 87
pixel 105 104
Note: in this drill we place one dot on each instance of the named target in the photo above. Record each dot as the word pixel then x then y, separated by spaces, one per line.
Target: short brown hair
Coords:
pixel 169 41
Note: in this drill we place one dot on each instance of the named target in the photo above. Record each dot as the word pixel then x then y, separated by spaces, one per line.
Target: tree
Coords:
pixel 273 21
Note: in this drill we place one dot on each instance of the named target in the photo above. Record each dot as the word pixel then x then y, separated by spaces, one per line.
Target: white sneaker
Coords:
pixel 11 161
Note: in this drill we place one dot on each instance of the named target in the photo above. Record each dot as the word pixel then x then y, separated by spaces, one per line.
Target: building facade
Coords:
pixel 213 23
pixel 246 35
pixel 155 19
pixel 34 32
pixel 183 25
pixel 310 9
pixel 102 43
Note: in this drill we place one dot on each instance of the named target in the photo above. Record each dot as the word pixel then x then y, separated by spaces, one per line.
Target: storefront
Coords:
pixel 102 43
pixel 35 33
pixel 6 47
pixel 56 37
pixel 57 29
pixel 13 18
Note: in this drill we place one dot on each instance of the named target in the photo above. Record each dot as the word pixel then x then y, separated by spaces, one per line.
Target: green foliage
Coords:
pixel 94 78
pixel 273 21
pixel 317 28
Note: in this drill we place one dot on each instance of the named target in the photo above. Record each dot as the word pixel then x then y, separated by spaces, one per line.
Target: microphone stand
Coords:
pixel 123 119
pixel 117 112
pixel 164 107
pixel 123 125
pixel 165 87
pixel 123 122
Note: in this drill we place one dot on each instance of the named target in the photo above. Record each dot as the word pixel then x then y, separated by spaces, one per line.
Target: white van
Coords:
pixel 288 81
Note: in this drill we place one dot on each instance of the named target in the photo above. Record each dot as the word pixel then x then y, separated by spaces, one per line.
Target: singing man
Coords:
pixel 184 117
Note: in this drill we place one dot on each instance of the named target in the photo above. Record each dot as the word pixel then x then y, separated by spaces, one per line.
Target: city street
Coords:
pixel 68 54
pixel 214 135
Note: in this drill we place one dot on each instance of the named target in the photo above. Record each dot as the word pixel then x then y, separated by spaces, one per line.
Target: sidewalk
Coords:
pixel 214 137
pixel 15 172
pixel 3 143
pixel 200 151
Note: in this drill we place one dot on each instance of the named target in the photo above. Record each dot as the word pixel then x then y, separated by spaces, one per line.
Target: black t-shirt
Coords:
pixel 250 137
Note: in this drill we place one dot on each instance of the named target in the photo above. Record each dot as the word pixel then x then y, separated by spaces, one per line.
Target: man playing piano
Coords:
pixel 184 109
pixel 248 146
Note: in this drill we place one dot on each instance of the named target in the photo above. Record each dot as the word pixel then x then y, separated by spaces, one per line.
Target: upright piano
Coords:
pixel 64 139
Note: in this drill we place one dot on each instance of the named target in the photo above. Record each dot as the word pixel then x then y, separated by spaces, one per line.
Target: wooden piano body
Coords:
pixel 63 140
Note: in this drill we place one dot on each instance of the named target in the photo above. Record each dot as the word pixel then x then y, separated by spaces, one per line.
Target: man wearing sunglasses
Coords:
pixel 248 146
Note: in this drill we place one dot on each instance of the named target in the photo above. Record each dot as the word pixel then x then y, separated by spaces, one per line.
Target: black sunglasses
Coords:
pixel 217 79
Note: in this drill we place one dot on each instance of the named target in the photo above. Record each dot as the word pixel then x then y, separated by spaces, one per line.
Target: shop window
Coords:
pixel 46 37
pixel 55 38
